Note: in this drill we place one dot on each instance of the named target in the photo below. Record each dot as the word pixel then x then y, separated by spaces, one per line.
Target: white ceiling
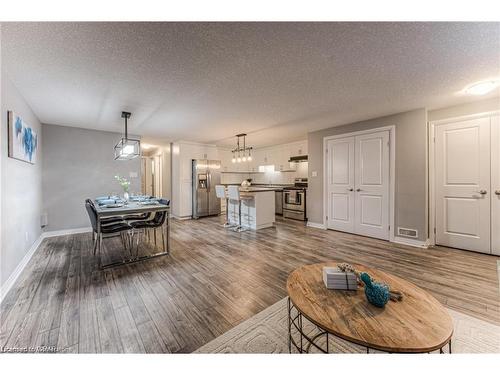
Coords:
pixel 206 82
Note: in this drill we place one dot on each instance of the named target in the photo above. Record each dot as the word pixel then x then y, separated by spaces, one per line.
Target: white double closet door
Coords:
pixel 358 184
pixel 467 184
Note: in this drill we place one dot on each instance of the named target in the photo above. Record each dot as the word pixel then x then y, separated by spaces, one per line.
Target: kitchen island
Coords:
pixel 257 208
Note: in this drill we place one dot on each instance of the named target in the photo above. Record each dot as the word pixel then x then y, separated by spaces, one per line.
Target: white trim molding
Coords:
pixel 19 269
pixel 392 173
pixel 316 225
pixel 181 217
pixel 65 232
pixel 411 242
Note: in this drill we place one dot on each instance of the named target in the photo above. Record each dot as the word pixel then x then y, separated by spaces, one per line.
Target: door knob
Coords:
pixel 497 192
pixel 482 192
pixel 358 189
pixel 351 189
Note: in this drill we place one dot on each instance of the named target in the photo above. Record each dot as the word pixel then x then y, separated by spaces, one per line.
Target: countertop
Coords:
pixel 257 188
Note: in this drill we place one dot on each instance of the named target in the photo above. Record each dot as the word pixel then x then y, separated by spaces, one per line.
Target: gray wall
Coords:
pixel 465 109
pixel 21 188
pixel 79 164
pixel 411 162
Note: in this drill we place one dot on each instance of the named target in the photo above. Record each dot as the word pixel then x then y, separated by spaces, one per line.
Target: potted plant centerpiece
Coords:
pixel 125 184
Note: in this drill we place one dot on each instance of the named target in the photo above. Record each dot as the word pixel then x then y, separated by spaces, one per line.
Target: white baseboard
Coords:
pixel 65 232
pixel 411 242
pixel 181 217
pixel 19 269
pixel 316 225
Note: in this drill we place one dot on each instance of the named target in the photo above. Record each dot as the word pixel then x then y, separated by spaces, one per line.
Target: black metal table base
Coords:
pixel 304 342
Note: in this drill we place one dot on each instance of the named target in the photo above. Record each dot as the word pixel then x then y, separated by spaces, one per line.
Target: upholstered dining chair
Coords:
pixel 109 229
pixel 156 222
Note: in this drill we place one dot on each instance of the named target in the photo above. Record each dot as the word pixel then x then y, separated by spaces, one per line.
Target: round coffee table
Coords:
pixel 417 324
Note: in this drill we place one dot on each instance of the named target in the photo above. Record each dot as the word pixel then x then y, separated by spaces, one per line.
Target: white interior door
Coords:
pixel 340 174
pixel 462 165
pixel 495 185
pixel 372 185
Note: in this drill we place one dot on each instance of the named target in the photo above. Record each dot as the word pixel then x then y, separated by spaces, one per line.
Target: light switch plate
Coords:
pixel 314 174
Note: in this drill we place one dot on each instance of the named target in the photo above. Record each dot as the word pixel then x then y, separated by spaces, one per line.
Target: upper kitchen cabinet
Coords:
pixel 298 148
pixel 225 157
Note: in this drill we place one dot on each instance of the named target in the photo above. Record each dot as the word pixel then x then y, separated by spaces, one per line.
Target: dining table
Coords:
pixel 133 207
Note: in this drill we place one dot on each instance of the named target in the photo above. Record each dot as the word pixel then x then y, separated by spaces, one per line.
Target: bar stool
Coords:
pixel 233 193
pixel 220 192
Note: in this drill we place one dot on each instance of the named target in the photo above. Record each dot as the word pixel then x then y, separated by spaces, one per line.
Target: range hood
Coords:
pixel 298 159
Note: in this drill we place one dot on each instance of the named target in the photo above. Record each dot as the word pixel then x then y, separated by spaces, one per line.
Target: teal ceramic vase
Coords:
pixel 376 293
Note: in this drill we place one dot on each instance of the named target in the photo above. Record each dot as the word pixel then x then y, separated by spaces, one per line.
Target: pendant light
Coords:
pixel 241 150
pixel 127 148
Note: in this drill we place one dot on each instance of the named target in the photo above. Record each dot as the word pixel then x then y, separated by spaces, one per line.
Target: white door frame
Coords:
pixel 432 170
pixel 392 171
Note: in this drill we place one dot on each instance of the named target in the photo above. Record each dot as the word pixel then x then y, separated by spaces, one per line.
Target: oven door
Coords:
pixel 294 200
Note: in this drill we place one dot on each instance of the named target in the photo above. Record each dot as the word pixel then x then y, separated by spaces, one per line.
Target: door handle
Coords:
pixel 497 192
pixel 482 192
pixel 351 189
pixel 358 189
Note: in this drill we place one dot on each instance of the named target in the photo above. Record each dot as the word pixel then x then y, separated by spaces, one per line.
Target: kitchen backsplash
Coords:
pixel 279 178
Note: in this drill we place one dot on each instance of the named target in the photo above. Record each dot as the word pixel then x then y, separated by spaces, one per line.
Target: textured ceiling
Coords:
pixel 206 82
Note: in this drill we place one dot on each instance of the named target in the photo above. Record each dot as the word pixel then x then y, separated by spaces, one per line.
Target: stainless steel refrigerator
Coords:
pixel 206 174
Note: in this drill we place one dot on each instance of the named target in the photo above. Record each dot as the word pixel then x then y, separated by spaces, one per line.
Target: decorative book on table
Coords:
pixel 337 279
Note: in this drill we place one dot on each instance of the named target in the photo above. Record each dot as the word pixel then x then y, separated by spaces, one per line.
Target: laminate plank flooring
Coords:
pixel 213 280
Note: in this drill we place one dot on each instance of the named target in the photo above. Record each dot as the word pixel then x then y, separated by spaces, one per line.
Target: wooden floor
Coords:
pixel 213 280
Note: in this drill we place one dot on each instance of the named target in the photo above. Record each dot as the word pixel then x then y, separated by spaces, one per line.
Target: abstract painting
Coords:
pixel 23 140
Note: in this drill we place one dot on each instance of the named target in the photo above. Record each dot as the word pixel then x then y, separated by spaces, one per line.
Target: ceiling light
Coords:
pixel 127 148
pixel 481 88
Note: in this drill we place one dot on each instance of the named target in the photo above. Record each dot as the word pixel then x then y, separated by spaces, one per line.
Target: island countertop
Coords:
pixel 260 188
pixel 255 189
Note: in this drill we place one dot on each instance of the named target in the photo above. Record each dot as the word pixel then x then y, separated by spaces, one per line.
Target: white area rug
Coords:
pixel 267 332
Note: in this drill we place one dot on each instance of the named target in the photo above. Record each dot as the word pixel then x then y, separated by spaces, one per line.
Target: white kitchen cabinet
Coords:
pixel 225 158
pixel 298 148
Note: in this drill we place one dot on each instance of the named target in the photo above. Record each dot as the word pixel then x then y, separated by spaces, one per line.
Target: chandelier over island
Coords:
pixel 241 154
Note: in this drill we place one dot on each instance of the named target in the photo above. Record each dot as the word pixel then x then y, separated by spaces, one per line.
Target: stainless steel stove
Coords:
pixel 294 200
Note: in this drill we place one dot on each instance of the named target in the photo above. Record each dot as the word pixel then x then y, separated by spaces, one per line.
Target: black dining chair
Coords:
pixel 157 221
pixel 117 227
pixel 105 221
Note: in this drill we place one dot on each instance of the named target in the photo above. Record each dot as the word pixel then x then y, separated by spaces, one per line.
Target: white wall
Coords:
pixel 480 106
pixel 164 152
pixel 182 155
pixel 21 188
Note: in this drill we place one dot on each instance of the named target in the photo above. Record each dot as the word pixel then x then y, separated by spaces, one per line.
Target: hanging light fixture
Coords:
pixel 127 148
pixel 241 150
